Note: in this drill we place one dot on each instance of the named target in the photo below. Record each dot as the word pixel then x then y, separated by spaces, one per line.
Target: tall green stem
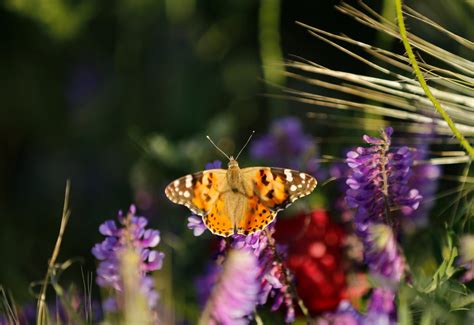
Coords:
pixel 421 80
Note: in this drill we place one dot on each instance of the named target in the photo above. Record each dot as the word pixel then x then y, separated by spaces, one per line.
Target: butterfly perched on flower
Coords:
pixel 239 201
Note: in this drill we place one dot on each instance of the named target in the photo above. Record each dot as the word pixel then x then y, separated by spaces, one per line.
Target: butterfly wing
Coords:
pixel 272 190
pixel 199 191
pixel 218 220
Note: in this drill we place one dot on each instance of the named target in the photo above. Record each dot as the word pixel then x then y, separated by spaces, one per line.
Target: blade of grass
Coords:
pixel 42 314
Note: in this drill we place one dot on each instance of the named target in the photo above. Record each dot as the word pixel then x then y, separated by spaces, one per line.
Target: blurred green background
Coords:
pixel 118 97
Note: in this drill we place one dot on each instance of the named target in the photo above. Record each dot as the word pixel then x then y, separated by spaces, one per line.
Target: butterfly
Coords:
pixel 239 201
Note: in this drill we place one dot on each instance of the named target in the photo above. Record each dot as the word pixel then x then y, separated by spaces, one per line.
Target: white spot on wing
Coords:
pixel 176 183
pixel 186 194
pixel 293 188
pixel 189 181
pixel 288 175
pixel 302 175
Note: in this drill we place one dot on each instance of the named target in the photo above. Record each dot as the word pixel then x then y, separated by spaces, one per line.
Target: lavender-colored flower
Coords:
pixel 204 283
pixel 234 297
pixel 466 260
pixel 378 185
pixel 382 309
pixel 216 164
pixel 344 315
pixel 286 146
pixel 196 224
pixel 382 253
pixel 379 180
pixel 131 233
pixel 425 179
pixel 273 276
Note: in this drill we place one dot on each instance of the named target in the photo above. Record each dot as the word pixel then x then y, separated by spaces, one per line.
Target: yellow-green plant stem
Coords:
pixel 421 80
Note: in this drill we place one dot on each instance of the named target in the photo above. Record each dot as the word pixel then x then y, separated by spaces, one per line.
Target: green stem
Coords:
pixel 421 80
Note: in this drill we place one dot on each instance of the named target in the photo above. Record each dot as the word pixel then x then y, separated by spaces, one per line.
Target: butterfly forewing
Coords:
pixel 279 187
pixel 198 191
pixel 274 189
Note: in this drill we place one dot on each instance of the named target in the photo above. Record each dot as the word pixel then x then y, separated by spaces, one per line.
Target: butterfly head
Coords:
pixel 232 163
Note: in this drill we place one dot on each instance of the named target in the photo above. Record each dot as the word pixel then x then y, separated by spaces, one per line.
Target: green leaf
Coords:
pixel 446 270
pixel 462 302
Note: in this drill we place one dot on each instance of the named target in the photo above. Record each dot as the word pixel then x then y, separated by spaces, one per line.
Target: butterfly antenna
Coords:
pixel 209 138
pixel 246 143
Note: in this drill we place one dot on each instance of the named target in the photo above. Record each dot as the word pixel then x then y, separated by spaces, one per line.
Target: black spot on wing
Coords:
pixel 264 180
pixel 269 195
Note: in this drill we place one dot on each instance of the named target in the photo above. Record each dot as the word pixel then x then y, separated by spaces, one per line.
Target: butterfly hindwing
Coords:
pixel 198 191
pixel 256 217
pixel 217 220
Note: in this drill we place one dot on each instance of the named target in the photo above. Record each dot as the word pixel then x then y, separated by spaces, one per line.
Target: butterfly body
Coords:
pixel 239 201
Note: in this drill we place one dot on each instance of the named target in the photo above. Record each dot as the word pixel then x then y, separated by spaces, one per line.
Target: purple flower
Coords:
pixel 378 185
pixel 425 178
pixel 273 276
pixel 216 164
pixel 287 146
pixel 204 283
pixel 196 224
pixel 130 233
pixel 344 315
pixel 382 253
pixel 234 297
pixel 382 309
pixel 466 254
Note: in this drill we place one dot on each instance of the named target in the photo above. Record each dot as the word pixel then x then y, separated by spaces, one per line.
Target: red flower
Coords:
pixel 315 255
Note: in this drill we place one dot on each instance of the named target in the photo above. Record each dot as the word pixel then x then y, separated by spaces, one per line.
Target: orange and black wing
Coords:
pixel 273 189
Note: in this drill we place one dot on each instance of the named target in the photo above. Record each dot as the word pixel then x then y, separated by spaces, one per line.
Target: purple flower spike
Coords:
pixel 466 258
pixel 234 297
pixel 286 145
pixel 378 185
pixel 273 276
pixel 381 308
pixel 130 234
pixel 382 253
pixel 344 315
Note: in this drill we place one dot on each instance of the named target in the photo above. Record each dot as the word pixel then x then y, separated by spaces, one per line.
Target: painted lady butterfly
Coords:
pixel 240 201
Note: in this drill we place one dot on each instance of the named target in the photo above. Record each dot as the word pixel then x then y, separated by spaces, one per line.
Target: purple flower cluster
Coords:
pixel 287 146
pixel 381 309
pixel 466 257
pixel 129 234
pixel 344 315
pixel 234 297
pixel 425 178
pixel 382 253
pixel 379 181
pixel 272 275
pixel 275 278
pixel 378 185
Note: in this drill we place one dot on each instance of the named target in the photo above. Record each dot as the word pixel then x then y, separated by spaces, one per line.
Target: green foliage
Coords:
pixel 60 18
